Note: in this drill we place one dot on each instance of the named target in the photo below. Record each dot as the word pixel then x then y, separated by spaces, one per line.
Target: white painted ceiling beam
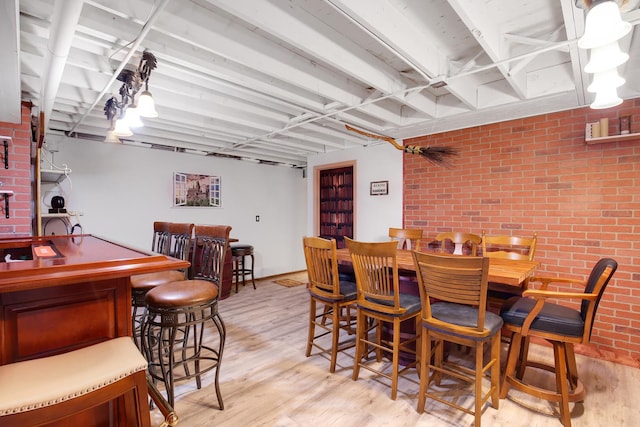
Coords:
pixel 478 19
pixel 298 28
pixel 394 30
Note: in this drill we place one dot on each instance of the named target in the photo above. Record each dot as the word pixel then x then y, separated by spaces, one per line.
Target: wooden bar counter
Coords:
pixel 73 292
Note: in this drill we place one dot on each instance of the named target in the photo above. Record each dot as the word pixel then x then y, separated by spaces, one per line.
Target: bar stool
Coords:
pixel 51 389
pixel 239 251
pixel 177 313
pixel 173 239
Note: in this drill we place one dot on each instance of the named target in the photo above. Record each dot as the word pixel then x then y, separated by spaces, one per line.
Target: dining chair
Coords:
pixel 334 295
pixel 507 247
pixel 453 291
pixel 535 315
pixel 510 247
pixel 406 238
pixel 380 301
pixel 174 240
pixel 459 243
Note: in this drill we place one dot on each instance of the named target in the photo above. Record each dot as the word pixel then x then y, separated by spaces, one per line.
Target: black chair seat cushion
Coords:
pixel 241 249
pixel 463 315
pixel 553 318
pixel 411 303
pixel 348 290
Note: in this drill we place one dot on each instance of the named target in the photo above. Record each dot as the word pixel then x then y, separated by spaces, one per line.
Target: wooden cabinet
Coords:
pixel 62 293
pixel 336 205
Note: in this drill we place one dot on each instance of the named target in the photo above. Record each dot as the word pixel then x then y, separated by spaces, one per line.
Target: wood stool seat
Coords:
pixel 49 389
pixel 238 253
pixel 173 330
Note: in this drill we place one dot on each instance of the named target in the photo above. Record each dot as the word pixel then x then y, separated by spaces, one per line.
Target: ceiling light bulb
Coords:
pixel 606 98
pixel 605 79
pixel 605 58
pixel 146 105
pixel 122 128
pixel 133 117
pixel 603 25
pixel 112 138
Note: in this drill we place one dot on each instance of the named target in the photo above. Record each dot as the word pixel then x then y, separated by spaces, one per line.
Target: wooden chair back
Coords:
pixel 161 241
pixel 210 247
pixel 510 247
pixel 594 288
pixel 454 242
pixel 406 238
pixel 455 279
pixel 376 269
pixel 322 267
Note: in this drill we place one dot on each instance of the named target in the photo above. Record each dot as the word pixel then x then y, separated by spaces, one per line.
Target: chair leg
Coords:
pixel 438 358
pixel 522 359
pixel 236 266
pixel 253 281
pixel 425 361
pixel 572 368
pixel 378 339
pixel 495 371
pixel 361 329
pixel 560 356
pixel 222 331
pixel 477 413
pixel 312 325
pixel 395 358
pixel 512 359
pixel 335 338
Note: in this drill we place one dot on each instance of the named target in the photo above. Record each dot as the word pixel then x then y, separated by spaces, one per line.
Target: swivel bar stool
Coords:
pixel 169 238
pixel 176 314
pixel 238 252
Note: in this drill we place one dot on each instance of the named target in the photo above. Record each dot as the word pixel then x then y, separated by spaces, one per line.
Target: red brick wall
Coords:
pixel 17 177
pixel 537 174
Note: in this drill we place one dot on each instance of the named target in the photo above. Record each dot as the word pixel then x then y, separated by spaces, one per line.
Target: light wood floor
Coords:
pixel 266 380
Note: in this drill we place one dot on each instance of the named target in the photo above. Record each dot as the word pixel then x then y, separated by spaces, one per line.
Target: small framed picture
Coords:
pixel 379 188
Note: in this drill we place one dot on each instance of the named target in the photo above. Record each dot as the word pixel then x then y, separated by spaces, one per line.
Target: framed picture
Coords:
pixel 379 188
pixel 197 190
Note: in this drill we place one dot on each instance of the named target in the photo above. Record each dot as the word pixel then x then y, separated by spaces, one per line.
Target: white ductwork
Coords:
pixel 63 26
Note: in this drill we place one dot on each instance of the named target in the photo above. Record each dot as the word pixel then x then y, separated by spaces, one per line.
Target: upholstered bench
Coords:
pixel 52 388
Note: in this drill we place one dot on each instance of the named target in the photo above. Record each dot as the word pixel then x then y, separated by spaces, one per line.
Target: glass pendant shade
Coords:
pixel 122 128
pixel 603 26
pixel 606 98
pixel 112 138
pixel 604 80
pixel 146 105
pixel 133 117
pixel 605 58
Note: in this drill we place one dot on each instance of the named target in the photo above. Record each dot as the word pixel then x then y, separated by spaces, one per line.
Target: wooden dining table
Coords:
pixel 504 271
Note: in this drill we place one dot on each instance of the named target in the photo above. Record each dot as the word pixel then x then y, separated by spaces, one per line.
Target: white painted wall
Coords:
pixel 122 189
pixel 374 214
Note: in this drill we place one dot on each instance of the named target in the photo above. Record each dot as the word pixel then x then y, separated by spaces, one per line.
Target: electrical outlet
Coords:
pixel 257 218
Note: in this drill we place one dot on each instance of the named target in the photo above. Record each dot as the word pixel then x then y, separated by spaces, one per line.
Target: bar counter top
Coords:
pixel 72 259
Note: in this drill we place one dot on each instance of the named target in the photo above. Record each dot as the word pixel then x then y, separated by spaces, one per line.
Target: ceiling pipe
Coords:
pixel 65 19
pixel 134 46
